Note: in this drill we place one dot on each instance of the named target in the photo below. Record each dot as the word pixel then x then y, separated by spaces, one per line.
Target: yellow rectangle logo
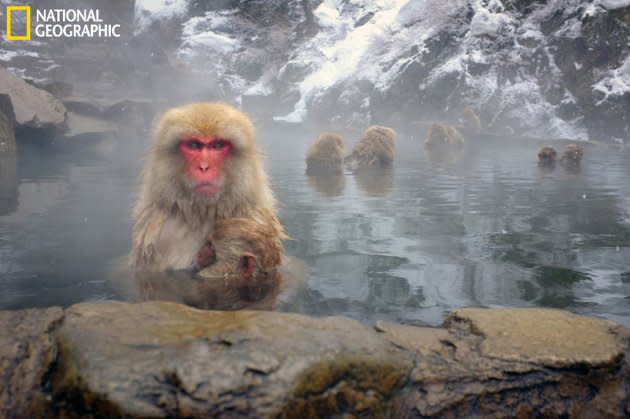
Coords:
pixel 27 11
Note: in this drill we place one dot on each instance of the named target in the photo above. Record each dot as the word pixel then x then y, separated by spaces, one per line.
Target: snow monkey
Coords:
pixel 572 157
pixel 471 121
pixel 203 166
pixel 325 155
pixel 239 265
pixel 374 149
pixel 444 137
pixel 547 156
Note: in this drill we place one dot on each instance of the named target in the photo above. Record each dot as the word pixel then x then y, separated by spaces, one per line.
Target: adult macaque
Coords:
pixel 572 157
pixel 471 122
pixel 374 149
pixel 444 137
pixel 444 144
pixel 325 156
pixel 547 156
pixel 203 166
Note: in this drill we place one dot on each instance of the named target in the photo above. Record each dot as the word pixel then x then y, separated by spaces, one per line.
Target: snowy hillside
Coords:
pixel 531 67
pixel 557 68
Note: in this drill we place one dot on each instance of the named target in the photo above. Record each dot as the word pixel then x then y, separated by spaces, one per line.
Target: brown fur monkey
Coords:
pixel 325 156
pixel 572 157
pixel 239 265
pixel 471 121
pixel 444 137
pixel 375 148
pixel 203 166
pixel 547 156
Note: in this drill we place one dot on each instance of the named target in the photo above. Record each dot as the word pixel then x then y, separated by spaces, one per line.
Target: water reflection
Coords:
pixel 280 291
pixel 328 185
pixel 407 245
pixel 376 182
pixel 492 232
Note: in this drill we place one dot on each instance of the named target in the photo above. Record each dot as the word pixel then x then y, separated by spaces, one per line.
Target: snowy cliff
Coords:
pixel 557 68
pixel 553 69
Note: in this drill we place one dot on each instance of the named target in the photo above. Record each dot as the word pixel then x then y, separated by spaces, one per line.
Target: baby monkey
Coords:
pixel 238 265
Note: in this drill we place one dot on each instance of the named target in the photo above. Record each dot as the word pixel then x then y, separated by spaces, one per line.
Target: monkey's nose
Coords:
pixel 203 166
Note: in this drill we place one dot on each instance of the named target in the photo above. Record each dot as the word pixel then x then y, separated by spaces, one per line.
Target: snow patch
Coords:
pixel 148 11
pixel 489 18
pixel 615 82
pixel 369 51
pixel 6 55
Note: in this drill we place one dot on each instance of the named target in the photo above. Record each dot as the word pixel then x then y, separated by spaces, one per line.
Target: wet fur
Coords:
pixel 444 137
pixel 170 221
pixel 325 156
pixel 375 148
pixel 547 156
pixel 572 156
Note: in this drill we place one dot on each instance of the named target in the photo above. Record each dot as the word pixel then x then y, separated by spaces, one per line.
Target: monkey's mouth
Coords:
pixel 206 188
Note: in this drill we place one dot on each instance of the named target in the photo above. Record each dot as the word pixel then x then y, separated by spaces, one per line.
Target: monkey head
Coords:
pixel 244 254
pixel 198 147
pixel 546 155
pixel 573 152
pixel 437 135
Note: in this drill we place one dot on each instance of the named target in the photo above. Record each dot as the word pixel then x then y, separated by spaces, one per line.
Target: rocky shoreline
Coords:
pixel 160 359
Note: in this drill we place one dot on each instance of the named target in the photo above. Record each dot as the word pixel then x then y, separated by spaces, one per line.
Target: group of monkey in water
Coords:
pixel 205 208
pixel 444 141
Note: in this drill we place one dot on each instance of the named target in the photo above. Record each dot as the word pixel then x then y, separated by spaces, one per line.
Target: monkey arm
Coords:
pixel 145 234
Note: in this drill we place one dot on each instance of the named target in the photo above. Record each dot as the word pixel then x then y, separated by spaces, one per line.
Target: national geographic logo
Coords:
pixel 18 9
pixel 57 23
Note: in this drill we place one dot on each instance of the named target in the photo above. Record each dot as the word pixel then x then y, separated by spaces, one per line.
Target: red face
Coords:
pixel 205 157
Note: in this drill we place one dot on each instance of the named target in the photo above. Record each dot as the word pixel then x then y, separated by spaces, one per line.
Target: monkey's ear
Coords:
pixel 246 265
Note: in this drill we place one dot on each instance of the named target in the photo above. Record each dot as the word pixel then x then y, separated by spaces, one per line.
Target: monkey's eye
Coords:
pixel 193 145
pixel 218 144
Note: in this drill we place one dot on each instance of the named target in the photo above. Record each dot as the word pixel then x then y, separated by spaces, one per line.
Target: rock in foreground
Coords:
pixel 162 359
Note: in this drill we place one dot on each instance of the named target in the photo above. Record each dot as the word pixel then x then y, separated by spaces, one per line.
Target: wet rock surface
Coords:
pixel 27 352
pixel 161 359
pixel 33 107
pixel 7 125
pixel 166 360
pixel 516 363
pixel 553 338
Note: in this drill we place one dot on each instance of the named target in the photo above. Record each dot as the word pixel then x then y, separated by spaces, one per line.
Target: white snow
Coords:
pixel 6 55
pixel 148 11
pixel 377 41
pixel 202 35
pixel 616 82
pixel 489 18
pixel 369 51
